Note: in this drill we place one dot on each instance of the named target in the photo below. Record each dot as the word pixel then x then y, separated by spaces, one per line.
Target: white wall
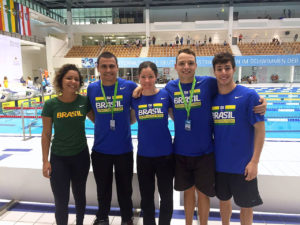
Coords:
pixel 53 47
pixel 108 28
pixel 33 59
pixel 256 10
pixel 214 12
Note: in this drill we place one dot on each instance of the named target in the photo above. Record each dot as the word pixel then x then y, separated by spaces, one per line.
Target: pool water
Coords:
pixel 282 119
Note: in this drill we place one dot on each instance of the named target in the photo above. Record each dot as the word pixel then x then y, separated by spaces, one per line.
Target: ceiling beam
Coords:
pixel 58 4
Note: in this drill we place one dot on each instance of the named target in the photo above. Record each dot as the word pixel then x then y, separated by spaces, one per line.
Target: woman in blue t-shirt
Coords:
pixel 155 148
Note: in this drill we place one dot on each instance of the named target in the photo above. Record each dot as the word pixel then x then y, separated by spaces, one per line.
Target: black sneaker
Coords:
pixel 100 222
pixel 130 222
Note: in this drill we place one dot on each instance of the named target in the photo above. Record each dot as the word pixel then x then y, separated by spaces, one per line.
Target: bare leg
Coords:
pixel 189 205
pixel 246 216
pixel 225 211
pixel 203 207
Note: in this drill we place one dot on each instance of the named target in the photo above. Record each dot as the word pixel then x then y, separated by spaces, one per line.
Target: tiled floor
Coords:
pixel 279 158
pixel 34 218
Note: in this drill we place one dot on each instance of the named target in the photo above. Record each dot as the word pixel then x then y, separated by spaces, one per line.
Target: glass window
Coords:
pixel 270 74
pixel 297 74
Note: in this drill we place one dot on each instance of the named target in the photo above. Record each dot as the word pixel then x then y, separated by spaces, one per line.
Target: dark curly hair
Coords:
pixel 60 75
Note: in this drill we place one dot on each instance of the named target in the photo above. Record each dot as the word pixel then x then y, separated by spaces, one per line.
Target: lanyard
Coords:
pixel 188 105
pixel 114 99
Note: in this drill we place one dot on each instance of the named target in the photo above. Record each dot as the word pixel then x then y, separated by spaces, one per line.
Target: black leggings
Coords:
pixel 163 169
pixel 66 170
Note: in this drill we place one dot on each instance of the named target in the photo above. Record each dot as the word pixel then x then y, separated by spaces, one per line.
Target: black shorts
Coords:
pixel 198 171
pixel 245 193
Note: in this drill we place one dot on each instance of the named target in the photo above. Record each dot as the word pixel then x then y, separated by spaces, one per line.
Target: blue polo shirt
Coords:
pixel 199 140
pixel 109 141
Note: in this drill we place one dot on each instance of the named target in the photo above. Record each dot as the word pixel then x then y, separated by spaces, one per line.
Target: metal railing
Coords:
pixel 34 104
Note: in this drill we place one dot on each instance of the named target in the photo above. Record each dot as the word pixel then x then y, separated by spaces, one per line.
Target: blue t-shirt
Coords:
pixel 109 141
pixel 198 141
pixel 233 129
pixel 154 138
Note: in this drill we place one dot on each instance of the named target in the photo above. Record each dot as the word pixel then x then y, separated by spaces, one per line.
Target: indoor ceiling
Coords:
pixel 58 4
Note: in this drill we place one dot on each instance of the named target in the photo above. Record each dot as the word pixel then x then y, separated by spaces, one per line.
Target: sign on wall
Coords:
pixel 255 60
pixel 10 59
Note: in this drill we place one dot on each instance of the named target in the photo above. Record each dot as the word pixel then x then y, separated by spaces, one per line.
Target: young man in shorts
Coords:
pixel 195 167
pixel 239 137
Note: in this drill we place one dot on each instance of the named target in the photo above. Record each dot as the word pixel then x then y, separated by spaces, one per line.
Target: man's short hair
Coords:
pixel 186 51
pixel 223 57
pixel 107 55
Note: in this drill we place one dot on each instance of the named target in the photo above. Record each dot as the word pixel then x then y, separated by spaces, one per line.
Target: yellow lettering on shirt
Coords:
pixel 76 113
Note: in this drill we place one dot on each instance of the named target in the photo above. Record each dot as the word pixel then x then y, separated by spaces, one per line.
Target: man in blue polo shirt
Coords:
pixel 112 150
pixel 239 137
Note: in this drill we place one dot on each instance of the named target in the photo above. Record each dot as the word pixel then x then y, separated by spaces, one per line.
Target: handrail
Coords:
pixel 23 117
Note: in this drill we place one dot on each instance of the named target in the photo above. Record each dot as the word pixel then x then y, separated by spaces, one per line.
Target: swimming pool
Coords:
pixel 282 118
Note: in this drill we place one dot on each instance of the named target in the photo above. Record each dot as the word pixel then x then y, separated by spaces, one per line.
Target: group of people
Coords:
pixel 190 41
pixel 219 134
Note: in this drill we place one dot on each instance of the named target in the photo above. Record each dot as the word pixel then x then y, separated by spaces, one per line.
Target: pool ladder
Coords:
pixel 31 103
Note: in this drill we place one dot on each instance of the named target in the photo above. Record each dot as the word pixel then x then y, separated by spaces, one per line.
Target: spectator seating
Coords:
pixel 284 48
pixel 123 51
pixel 84 51
pixel 171 51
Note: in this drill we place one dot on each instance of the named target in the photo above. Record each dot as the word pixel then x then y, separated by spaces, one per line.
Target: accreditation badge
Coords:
pixel 188 125
pixel 112 124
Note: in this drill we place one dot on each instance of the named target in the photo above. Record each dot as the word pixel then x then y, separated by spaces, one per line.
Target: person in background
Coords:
pixel 209 40
pixel 155 148
pixel 22 81
pixel 177 39
pixel 240 38
pixel 295 37
pixel 69 156
pixel 153 40
pixel 239 137
pixel 5 82
pixel 29 83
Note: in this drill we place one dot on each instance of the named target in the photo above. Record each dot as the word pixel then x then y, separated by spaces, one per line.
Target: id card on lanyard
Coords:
pixel 112 122
pixel 187 105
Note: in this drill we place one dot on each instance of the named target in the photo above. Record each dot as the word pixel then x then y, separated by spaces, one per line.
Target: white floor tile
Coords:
pixel 177 221
pixel 116 220
pixel 23 223
pixel 13 216
pixel 43 223
pixel 47 218
pixel 88 219
pixel 136 220
pixel 31 217
pixel 214 223
pixel 72 219
pixel 5 222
